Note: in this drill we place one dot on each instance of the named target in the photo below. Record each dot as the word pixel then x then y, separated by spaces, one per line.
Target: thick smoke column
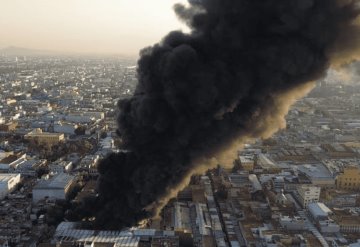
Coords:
pixel 233 77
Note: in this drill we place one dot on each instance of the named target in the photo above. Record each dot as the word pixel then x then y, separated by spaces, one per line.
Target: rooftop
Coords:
pixel 5 177
pixel 59 181
pixel 317 171
pixel 37 132
pixel 319 209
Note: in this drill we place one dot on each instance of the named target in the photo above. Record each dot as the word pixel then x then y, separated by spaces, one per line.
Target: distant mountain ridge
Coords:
pixel 20 51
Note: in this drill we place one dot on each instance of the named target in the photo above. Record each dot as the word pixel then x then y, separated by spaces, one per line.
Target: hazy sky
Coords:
pixel 97 26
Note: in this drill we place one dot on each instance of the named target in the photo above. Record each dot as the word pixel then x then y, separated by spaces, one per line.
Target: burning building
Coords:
pixel 202 94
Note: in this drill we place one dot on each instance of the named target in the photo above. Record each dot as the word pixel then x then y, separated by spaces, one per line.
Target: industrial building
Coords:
pixel 266 164
pixel 56 187
pixel 49 139
pixel 318 174
pixel 293 223
pixel 320 213
pixel 67 234
pixel 200 223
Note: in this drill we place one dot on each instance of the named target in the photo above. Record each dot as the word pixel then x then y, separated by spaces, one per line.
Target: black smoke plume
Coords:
pixel 200 91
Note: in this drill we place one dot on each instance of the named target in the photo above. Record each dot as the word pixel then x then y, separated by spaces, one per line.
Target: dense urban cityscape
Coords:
pixel 58 120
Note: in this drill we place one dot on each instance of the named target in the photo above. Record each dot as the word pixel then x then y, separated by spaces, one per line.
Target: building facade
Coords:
pixel 349 179
pixel 57 187
pixel 8 183
pixel 49 139
pixel 308 194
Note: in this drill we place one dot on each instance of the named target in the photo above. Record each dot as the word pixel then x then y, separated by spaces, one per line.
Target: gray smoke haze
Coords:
pixel 348 73
pixel 232 78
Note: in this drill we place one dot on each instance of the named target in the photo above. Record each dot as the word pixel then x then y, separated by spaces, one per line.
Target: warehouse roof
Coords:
pixel 5 177
pixel 319 209
pixel 59 181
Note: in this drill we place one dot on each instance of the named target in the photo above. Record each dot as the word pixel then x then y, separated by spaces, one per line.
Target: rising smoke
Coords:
pixel 201 94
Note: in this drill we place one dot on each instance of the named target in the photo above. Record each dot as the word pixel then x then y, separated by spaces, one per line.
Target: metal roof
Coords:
pixel 59 181
pixel 319 209
pixel 90 236
pixel 5 177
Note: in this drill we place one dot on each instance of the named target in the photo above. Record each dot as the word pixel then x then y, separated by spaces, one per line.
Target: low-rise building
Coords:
pixel 56 187
pixel 348 220
pixel 68 234
pixel 320 213
pixel 247 162
pixel 66 128
pixel 318 174
pixel 278 183
pixel 266 164
pixel 60 166
pixel 200 223
pixel 349 179
pixel 308 194
pixel 292 223
pixel 8 183
pixel 350 224
pixel 46 138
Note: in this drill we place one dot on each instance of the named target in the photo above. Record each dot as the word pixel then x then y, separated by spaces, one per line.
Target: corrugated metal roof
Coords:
pixel 319 209
pixel 60 180
pixel 5 177
pixel 99 237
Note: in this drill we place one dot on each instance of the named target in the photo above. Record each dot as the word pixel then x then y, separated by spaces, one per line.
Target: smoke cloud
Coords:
pixel 201 95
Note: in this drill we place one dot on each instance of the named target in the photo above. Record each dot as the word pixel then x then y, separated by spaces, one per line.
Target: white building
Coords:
pixel 308 194
pixel 56 187
pixel 61 166
pixel 8 183
pixel 5 166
